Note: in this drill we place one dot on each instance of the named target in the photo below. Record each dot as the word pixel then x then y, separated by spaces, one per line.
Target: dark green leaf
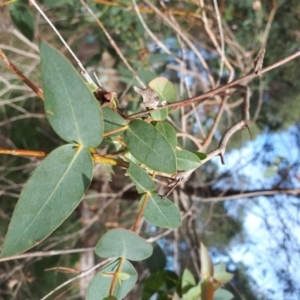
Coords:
pixel 162 213
pixel 100 284
pixel 150 147
pixel 22 18
pixel 70 107
pixel 158 282
pixel 142 180
pixel 157 261
pixel 123 243
pixel 168 132
pixel 200 155
pixel 187 160
pixel 112 120
pixel 51 194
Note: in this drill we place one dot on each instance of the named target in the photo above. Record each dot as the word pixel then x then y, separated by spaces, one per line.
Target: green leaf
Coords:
pixel 70 107
pixel 193 293
pixel 207 268
pixel 112 120
pixel 22 18
pixel 58 3
pixel 157 261
pixel 168 132
pixel 123 243
pixel 100 285
pixel 51 194
pixel 200 155
pixel 140 178
pixel 187 160
pixel 150 147
pixel 166 92
pixel 159 281
pixel 162 213
pixel 222 294
pixel 223 277
pixel 188 279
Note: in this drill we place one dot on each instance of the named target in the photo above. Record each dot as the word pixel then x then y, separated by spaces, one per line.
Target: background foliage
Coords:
pixel 223 206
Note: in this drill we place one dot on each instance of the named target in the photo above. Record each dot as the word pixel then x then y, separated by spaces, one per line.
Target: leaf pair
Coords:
pixel 60 181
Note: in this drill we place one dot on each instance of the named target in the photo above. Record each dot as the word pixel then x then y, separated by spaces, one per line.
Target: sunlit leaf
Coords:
pixel 123 243
pixel 221 294
pixel 193 293
pixel 187 160
pixel 142 180
pixel 162 213
pixel 51 194
pixel 207 268
pixel 166 92
pixel 188 279
pixel 150 147
pixel 100 285
pixel 70 106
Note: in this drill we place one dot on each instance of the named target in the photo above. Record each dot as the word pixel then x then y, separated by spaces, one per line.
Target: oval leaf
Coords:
pixel 166 92
pixel 168 132
pixel 140 178
pixel 51 194
pixel 162 213
pixel 70 106
pixel 187 160
pixel 150 147
pixel 123 243
pixel 112 120
pixel 100 284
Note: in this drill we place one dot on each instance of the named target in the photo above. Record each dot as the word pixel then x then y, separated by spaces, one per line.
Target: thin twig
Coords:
pixel 83 71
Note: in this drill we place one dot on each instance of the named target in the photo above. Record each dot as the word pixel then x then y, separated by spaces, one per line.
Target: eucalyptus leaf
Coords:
pixel 168 132
pixel 188 279
pixel 112 120
pixel 123 243
pixel 166 92
pixel 162 213
pixel 70 106
pixel 48 198
pixel 142 180
pixel 157 261
pixel 99 287
pixel 150 147
pixel 22 18
pixel 187 160
pixel 222 294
